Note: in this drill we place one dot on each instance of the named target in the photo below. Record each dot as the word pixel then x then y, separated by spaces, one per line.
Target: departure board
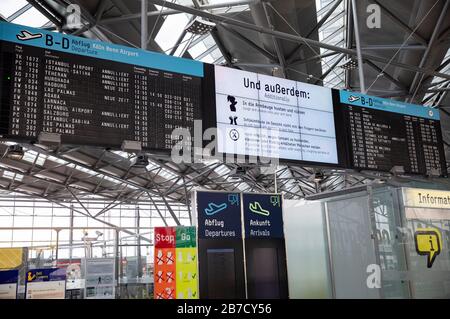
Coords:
pixel 92 92
pixel 384 133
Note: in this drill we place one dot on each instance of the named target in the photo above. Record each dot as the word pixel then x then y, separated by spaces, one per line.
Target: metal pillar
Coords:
pixel 117 255
pixel 373 230
pixel 71 234
pixel 57 244
pixel 138 251
pixel 144 24
pixel 358 49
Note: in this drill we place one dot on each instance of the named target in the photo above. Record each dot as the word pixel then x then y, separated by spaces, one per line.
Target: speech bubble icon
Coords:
pixel 428 243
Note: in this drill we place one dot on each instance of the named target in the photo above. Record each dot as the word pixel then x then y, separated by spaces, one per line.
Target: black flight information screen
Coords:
pixel 92 92
pixel 384 133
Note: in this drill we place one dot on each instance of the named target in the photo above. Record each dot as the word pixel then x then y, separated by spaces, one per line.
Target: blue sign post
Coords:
pixel 220 245
pixel 8 284
pixel 265 252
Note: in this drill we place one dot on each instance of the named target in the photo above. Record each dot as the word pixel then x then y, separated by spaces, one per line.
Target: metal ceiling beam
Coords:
pixel 379 47
pixel 241 37
pixel 178 42
pixel 119 201
pixel 330 69
pixel 293 38
pixel 100 11
pixel 291 55
pixel 314 58
pixel 112 176
pixel 256 65
pixel 157 209
pixel 226 55
pixel 206 52
pixel 19 12
pixel 407 95
pixel 416 83
pixel 83 214
pixel 276 43
pixel 33 179
pixel 129 17
pixel 442 97
pixel 386 75
pixel 169 208
pixel 44 10
pixel 401 24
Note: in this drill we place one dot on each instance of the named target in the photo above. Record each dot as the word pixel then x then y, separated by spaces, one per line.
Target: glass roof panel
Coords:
pixel 31 18
pixel 332 32
pixel 9 7
pixel 170 31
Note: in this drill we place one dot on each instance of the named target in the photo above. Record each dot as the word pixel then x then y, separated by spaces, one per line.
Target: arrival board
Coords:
pixel 92 92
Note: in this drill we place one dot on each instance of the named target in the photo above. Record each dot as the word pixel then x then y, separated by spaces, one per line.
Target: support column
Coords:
pixel 71 234
pixel 144 24
pixel 358 48
pixel 57 243
pixel 138 252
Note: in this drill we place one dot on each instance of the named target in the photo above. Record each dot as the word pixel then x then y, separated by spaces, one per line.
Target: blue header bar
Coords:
pixel 9 276
pixel 377 103
pixel 46 274
pixel 96 49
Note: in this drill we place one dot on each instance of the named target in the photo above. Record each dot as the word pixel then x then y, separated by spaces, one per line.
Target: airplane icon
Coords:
pixel 26 35
pixel 257 209
pixel 213 208
pixel 353 98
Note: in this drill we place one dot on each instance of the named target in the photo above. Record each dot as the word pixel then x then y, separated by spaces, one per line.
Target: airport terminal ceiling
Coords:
pixel 406 59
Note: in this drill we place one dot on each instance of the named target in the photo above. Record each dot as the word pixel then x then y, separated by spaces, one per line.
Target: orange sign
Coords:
pixel 165 266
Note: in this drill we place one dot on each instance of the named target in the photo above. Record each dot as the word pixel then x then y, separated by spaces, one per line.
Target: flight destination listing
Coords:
pixel 93 101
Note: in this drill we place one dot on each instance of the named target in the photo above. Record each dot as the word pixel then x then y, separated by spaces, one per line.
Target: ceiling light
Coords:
pixel 237 172
pixel 349 64
pixel 199 26
pixel 141 161
pixel 397 170
pixel 316 177
pixel 15 152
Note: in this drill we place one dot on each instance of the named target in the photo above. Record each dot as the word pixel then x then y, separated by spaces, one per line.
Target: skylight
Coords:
pixel 332 32
pixel 9 7
pixel 32 18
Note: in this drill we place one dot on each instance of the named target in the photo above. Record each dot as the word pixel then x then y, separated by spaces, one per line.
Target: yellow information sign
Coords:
pixel 187 275
pixel 426 198
pixel 428 243
pixel 10 258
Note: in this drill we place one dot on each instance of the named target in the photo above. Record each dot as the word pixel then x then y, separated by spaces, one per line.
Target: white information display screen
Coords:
pixel 46 290
pixel 265 116
pixel 8 291
pixel 100 281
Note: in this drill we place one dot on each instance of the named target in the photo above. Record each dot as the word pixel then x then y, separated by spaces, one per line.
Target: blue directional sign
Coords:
pixel 219 215
pixel 263 216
